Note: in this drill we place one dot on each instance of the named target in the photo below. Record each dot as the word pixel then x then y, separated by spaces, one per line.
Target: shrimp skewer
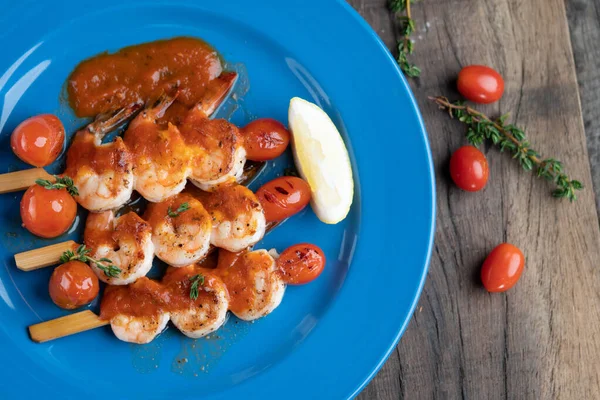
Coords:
pixel 102 173
pixel 126 241
pixel 152 160
pixel 181 229
pixel 50 255
pixel 247 284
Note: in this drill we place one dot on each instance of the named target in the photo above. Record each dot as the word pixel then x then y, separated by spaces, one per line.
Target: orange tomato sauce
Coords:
pixel 156 213
pixel 238 272
pixel 225 202
pixel 143 72
pixel 84 154
pixel 100 231
pixel 206 134
pixel 146 297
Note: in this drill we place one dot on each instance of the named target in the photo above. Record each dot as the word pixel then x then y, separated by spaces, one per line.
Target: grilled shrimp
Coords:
pixel 216 144
pixel 129 324
pixel 140 330
pixel 160 157
pixel 102 173
pixel 181 229
pixel 253 282
pixel 209 309
pixel 238 220
pixel 125 240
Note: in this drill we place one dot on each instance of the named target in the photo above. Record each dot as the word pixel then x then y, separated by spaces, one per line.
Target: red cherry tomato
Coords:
pixel 469 169
pixel 502 268
pixel 38 140
pixel 480 84
pixel 72 285
pixel 301 263
pixel 265 139
pixel 283 197
pixel 47 212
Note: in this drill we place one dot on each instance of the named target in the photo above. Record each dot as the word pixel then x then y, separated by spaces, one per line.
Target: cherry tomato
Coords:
pixel 265 139
pixel 469 169
pixel 47 212
pixel 73 284
pixel 502 268
pixel 38 140
pixel 301 263
pixel 480 84
pixel 283 197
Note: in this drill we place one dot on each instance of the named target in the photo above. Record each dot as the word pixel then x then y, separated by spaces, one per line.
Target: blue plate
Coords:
pixel 327 339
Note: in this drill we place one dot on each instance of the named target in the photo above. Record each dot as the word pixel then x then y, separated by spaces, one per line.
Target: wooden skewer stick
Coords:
pixel 50 255
pixel 21 180
pixel 44 256
pixel 65 326
pixel 81 321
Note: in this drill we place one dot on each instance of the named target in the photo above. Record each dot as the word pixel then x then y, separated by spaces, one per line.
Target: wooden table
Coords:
pixel 540 340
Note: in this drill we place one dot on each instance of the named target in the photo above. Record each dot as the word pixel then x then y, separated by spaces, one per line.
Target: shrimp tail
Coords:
pixel 162 103
pixel 106 122
pixel 216 92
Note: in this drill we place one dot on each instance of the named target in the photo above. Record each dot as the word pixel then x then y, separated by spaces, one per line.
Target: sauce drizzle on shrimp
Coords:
pixel 248 284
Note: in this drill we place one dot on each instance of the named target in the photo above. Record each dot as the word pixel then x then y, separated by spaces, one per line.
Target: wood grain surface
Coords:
pixel 584 25
pixel 540 340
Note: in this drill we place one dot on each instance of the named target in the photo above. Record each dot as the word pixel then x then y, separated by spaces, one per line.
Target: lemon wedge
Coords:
pixel 322 160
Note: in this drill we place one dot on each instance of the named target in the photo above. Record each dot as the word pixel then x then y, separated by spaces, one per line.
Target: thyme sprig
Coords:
pixel 62 182
pixel 401 9
pixel 196 280
pixel 511 138
pixel 183 207
pixel 82 254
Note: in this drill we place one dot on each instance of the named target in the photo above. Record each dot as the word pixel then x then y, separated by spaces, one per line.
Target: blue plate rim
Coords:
pixel 390 59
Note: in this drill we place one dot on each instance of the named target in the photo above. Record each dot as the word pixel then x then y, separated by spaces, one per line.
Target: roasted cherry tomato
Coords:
pixel 301 263
pixel 265 139
pixel 72 285
pixel 283 197
pixel 38 140
pixel 469 169
pixel 480 84
pixel 47 212
pixel 502 268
